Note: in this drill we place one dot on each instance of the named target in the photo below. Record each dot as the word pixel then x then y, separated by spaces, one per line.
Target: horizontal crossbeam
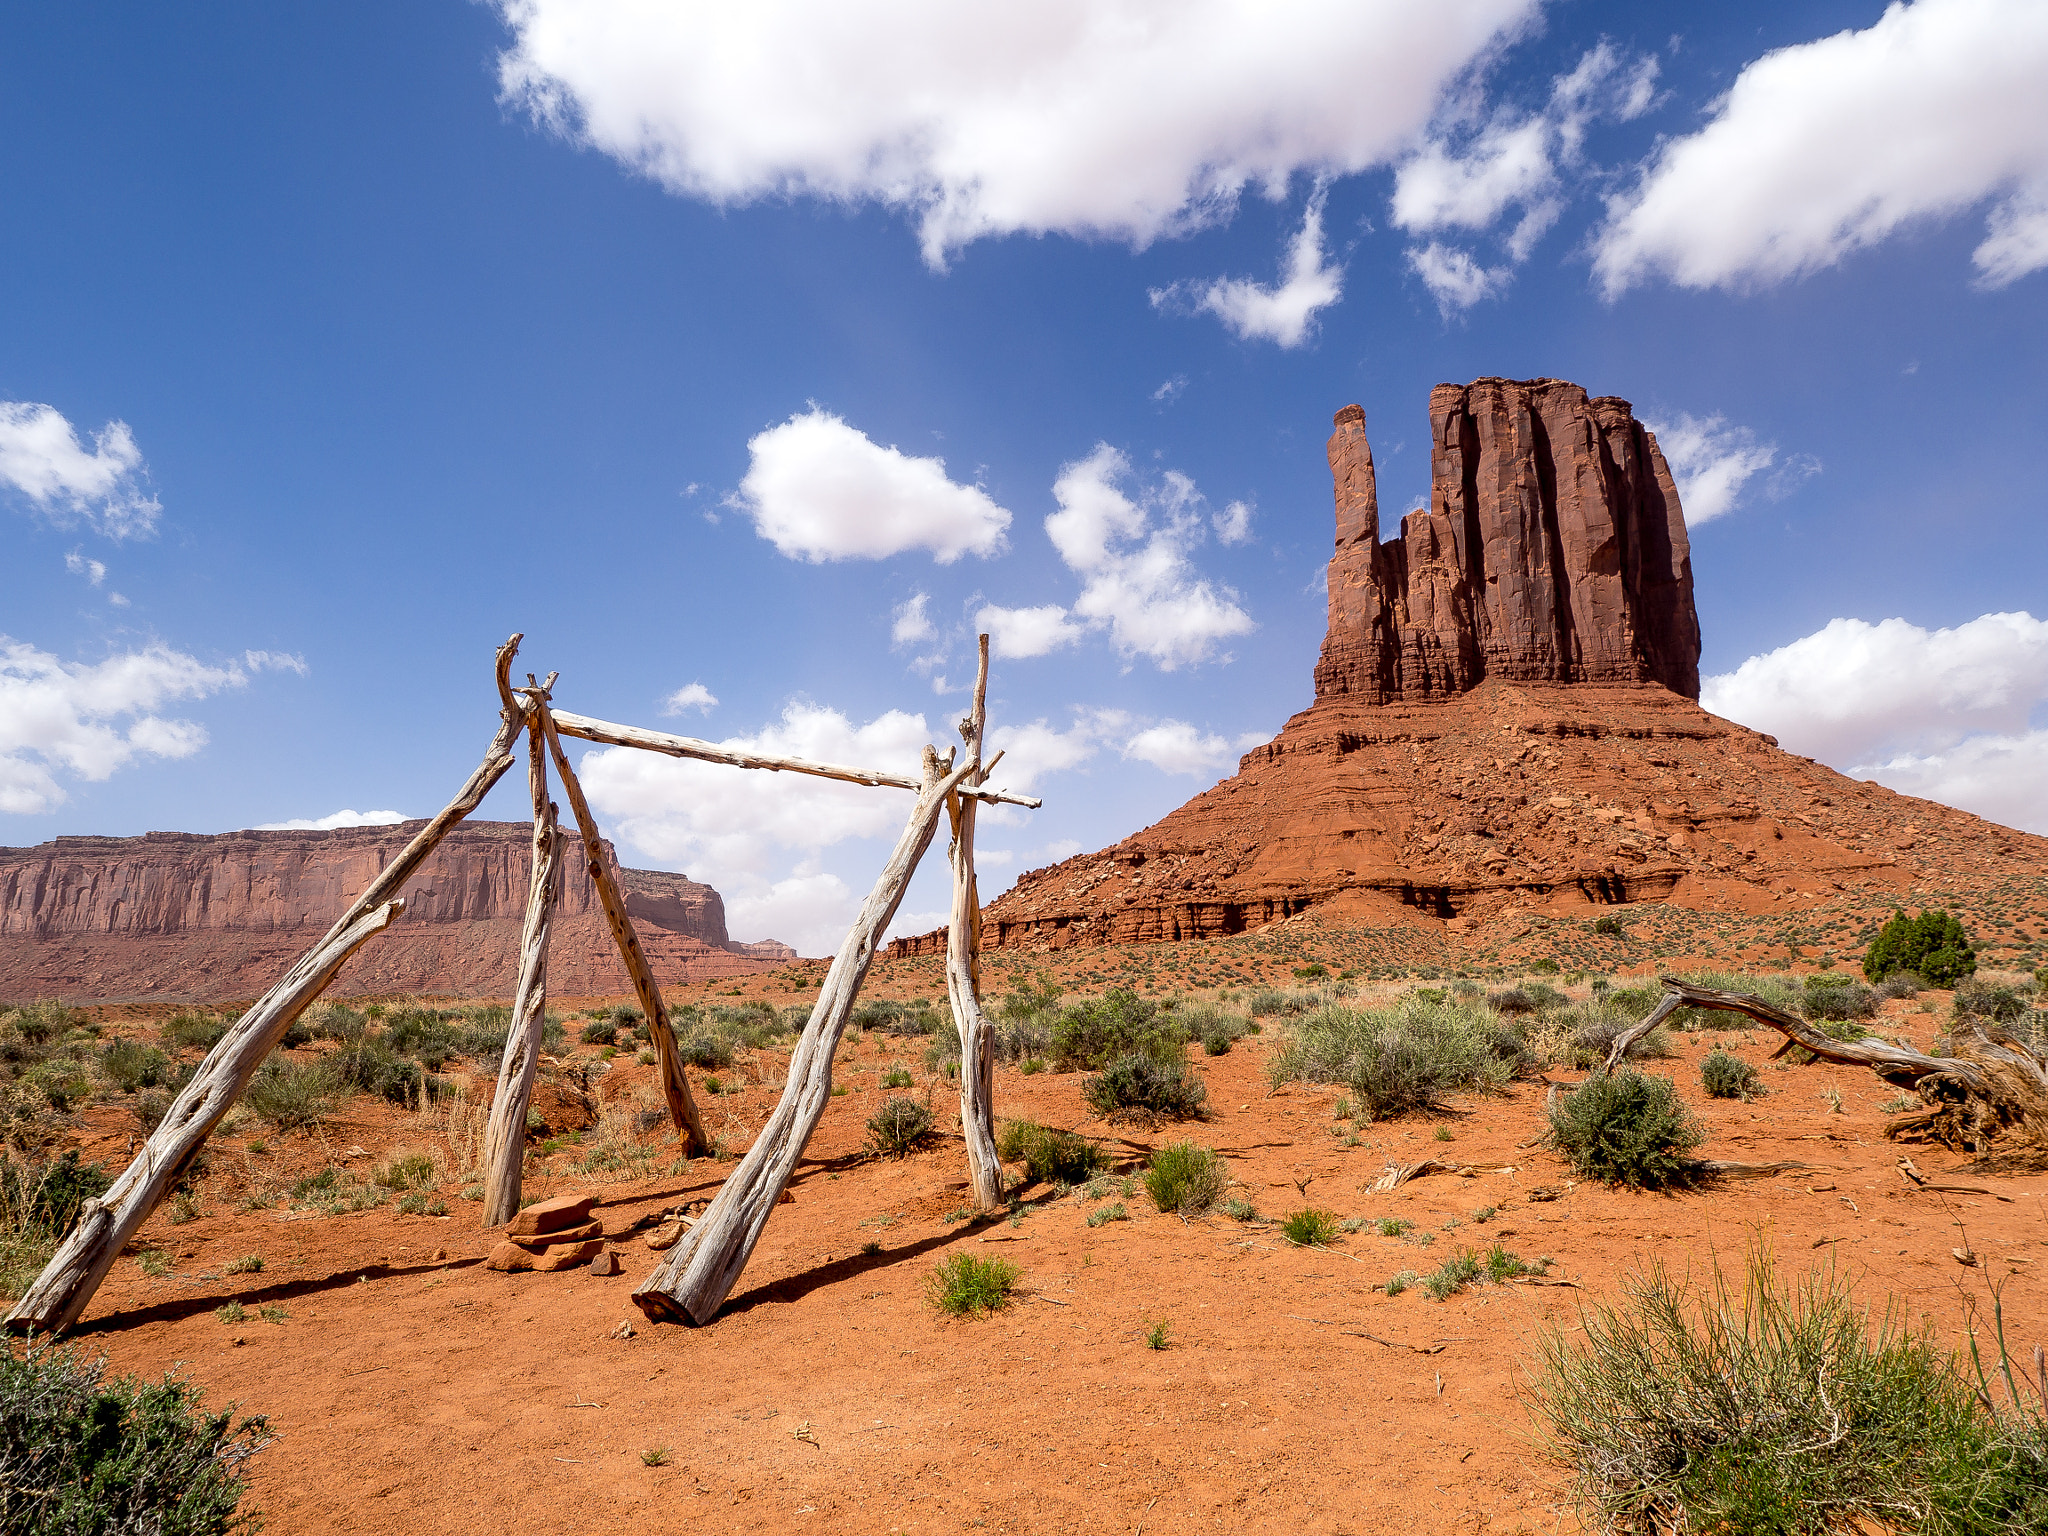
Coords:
pixel 603 731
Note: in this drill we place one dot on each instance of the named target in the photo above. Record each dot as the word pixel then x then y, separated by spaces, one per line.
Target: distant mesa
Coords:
pixel 173 916
pixel 1504 719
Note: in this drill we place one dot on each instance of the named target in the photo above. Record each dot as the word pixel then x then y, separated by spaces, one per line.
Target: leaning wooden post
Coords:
pixel 675 1087
pixel 963 971
pixel 81 1261
pixel 104 1225
pixel 505 1134
pixel 700 1271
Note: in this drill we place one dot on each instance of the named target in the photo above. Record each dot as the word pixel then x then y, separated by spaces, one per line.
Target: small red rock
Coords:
pixel 551 1215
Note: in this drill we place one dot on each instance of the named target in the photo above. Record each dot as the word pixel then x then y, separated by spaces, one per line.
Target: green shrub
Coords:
pixel 1217 1028
pixel 1933 946
pixel 898 1076
pixel 1466 1268
pixel 1404 1056
pixel 83 1454
pixel 899 1127
pixel 964 1286
pixel 1107 1214
pixel 1690 1405
pixel 372 1066
pixel 1594 1026
pixel 1119 1023
pixel 1625 1128
pixel 130 1065
pixel 1310 1228
pixel 600 1032
pixel 1728 1077
pixel 1610 926
pixel 1146 1086
pixel 292 1095
pixel 1187 1178
pixel 405 1170
pixel 39 1204
pixel 193 1031
pixel 1993 1002
pixel 705 1048
pixel 1831 995
pixel 1049 1155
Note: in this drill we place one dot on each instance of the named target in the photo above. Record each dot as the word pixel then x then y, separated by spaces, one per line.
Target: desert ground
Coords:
pixel 413 1390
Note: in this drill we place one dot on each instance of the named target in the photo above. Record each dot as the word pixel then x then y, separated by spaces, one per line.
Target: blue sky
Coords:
pixel 340 342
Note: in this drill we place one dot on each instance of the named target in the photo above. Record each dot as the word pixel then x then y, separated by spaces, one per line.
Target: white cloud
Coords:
pixel 1822 149
pixel 1453 278
pixel 276 661
pixel 1174 746
pixel 67 717
pixel 1472 169
pixel 42 458
pixel 1020 633
pixel 1036 749
pixel 820 490
pixel 688 697
pixel 94 571
pixel 1057 850
pixel 748 832
pixel 1711 461
pixel 1944 713
pixel 1132 558
pixel 1233 524
pixel 912 620
pixel 1126 118
pixel 1171 390
pixel 332 820
pixel 1253 312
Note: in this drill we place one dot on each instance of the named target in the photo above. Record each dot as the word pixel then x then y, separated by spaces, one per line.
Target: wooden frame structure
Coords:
pixel 700 1272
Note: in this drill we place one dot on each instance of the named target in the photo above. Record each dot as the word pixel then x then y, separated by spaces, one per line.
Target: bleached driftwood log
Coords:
pixel 82 1260
pixel 675 1087
pixel 1617 1049
pixel 1989 1099
pixel 603 731
pixel 963 970
pixel 700 1271
pixel 505 1132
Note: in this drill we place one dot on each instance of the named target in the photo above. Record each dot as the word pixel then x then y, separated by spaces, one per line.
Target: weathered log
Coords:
pixel 692 1283
pixel 505 1132
pixel 963 970
pixel 587 729
pixel 1617 1050
pixel 82 1260
pixel 1989 1099
pixel 675 1087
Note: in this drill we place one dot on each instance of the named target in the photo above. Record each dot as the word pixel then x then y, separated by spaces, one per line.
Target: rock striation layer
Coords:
pixel 1552 550
pixel 187 917
pixel 1504 719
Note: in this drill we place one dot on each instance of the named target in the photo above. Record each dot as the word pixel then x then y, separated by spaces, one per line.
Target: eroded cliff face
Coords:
pixel 1504 719
pixel 1553 550
pixel 180 915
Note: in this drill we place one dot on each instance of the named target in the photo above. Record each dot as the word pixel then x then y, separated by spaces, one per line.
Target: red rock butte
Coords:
pixel 173 916
pixel 1505 717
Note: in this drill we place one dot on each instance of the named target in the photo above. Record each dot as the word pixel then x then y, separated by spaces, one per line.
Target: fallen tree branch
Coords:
pixel 1618 1049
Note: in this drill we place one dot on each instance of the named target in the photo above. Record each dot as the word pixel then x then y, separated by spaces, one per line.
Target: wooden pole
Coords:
pixel 963 971
pixel 104 1226
pixel 82 1260
pixel 700 1271
pixel 675 1087
pixel 603 731
pixel 505 1133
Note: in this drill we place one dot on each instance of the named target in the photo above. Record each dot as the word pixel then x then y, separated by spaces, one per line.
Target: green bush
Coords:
pixel 1831 995
pixel 1993 1002
pixel 83 1455
pixel 1217 1028
pixel 1595 1025
pixel 898 1076
pixel 600 1032
pixel 1933 946
pixel 1187 1178
pixel 1625 1128
pixel 1049 1155
pixel 1146 1086
pixel 292 1095
pixel 1693 1406
pixel 1728 1077
pixel 706 1049
pixel 964 1286
pixel 1407 1055
pixel 372 1066
pixel 131 1065
pixel 39 1204
pixel 193 1031
pixel 1466 1268
pixel 1310 1228
pixel 899 1127
pixel 1119 1023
